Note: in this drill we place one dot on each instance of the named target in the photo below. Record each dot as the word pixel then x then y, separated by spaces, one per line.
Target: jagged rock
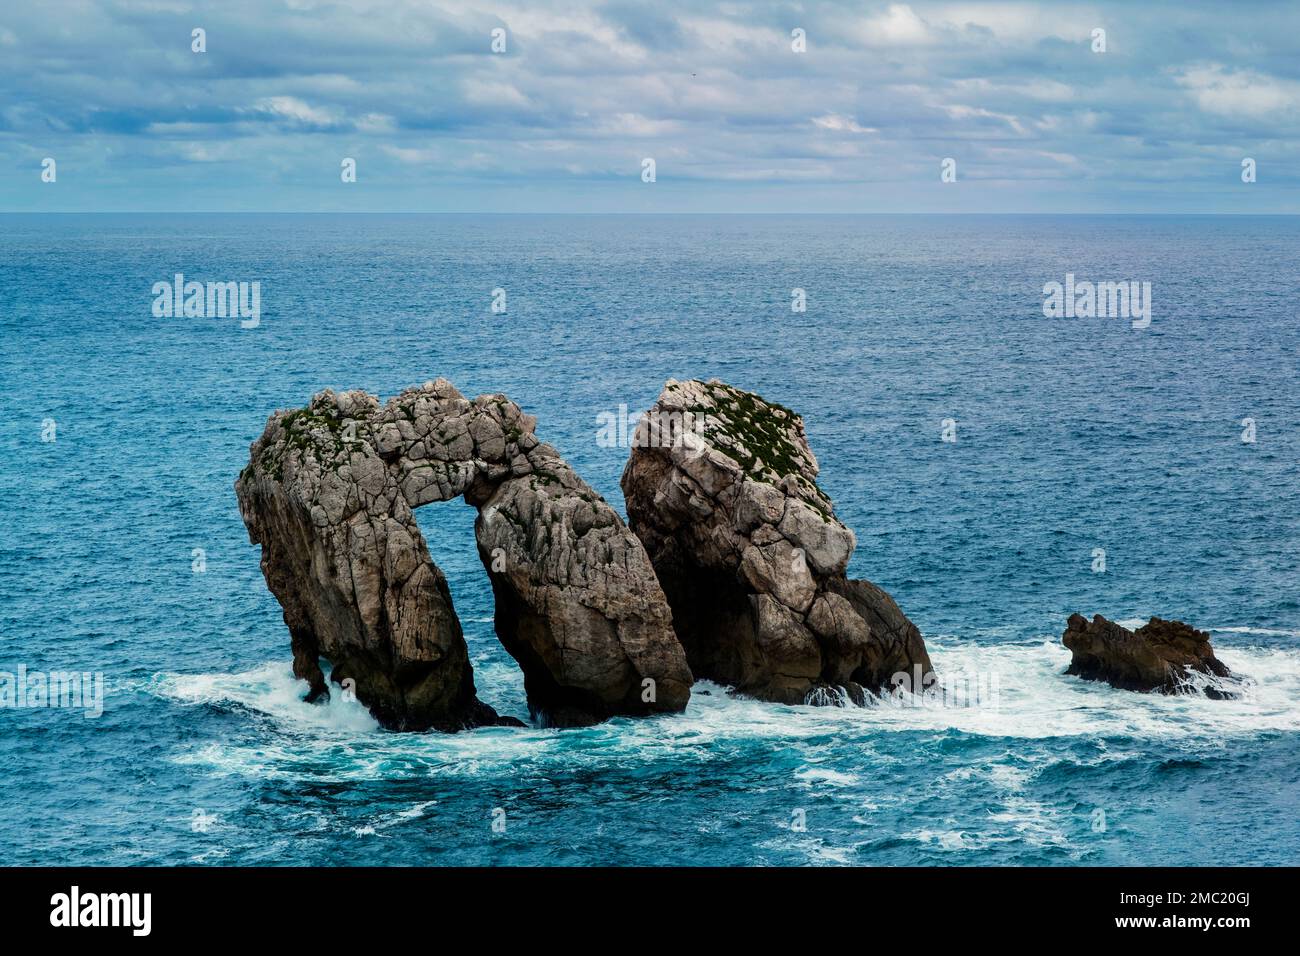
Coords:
pixel 1158 656
pixel 721 488
pixel 329 492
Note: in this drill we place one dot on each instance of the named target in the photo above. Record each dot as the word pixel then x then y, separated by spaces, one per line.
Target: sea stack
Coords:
pixel 721 488
pixel 329 493
pixel 1159 656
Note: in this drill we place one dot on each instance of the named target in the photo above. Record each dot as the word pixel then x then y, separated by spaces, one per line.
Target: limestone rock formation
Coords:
pixel 721 488
pixel 1158 656
pixel 329 492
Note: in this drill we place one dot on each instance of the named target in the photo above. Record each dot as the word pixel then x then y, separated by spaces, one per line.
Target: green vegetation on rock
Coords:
pixel 759 433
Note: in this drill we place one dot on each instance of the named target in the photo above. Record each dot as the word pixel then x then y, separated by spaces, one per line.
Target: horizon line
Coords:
pixel 387 212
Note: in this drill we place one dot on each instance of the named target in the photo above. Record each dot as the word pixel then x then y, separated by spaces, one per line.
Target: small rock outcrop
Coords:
pixel 329 493
pixel 1158 656
pixel 721 489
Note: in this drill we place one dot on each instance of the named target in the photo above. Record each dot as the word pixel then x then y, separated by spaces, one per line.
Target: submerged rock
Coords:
pixel 721 489
pixel 329 492
pixel 1158 656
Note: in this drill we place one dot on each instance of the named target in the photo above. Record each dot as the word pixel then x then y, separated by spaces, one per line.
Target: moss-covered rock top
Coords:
pixel 325 430
pixel 764 438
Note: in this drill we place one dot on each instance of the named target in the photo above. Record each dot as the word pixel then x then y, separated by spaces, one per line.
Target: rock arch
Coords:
pixel 329 494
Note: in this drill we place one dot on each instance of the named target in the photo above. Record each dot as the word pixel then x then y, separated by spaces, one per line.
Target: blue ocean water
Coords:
pixel 1072 435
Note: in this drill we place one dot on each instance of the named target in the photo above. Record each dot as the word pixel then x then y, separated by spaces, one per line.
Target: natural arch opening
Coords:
pixel 448 530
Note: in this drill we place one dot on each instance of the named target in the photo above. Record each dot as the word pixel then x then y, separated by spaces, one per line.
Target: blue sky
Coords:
pixel 735 119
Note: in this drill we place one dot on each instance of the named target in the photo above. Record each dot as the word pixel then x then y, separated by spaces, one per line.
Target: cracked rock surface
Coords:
pixel 329 493
pixel 721 488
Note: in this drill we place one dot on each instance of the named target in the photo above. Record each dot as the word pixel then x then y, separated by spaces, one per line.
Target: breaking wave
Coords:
pixel 1026 695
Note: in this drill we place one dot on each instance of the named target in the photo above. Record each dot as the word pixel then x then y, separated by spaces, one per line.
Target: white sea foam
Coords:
pixel 835 755
pixel 270 689
pixel 944 839
pixel 1036 700
pixel 825 776
pixel 1133 623
pixel 385 821
pixel 1262 631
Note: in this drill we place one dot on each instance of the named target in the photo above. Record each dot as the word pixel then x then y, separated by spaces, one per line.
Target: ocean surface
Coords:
pixel 1072 435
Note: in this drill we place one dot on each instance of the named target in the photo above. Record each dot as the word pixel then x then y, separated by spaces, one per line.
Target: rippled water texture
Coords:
pixel 1072 435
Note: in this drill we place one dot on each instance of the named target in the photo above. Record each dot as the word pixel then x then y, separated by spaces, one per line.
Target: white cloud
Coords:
pixel 841 124
pixel 411 155
pixel 634 124
pixel 1217 89
pixel 961 112
pixel 295 110
pixel 897 26
pixel 1049 91
pixel 1022 22
pixel 376 123
pixel 586 84
pixel 493 93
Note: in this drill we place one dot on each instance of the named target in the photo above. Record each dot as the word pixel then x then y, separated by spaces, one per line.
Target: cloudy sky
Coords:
pixel 734 118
